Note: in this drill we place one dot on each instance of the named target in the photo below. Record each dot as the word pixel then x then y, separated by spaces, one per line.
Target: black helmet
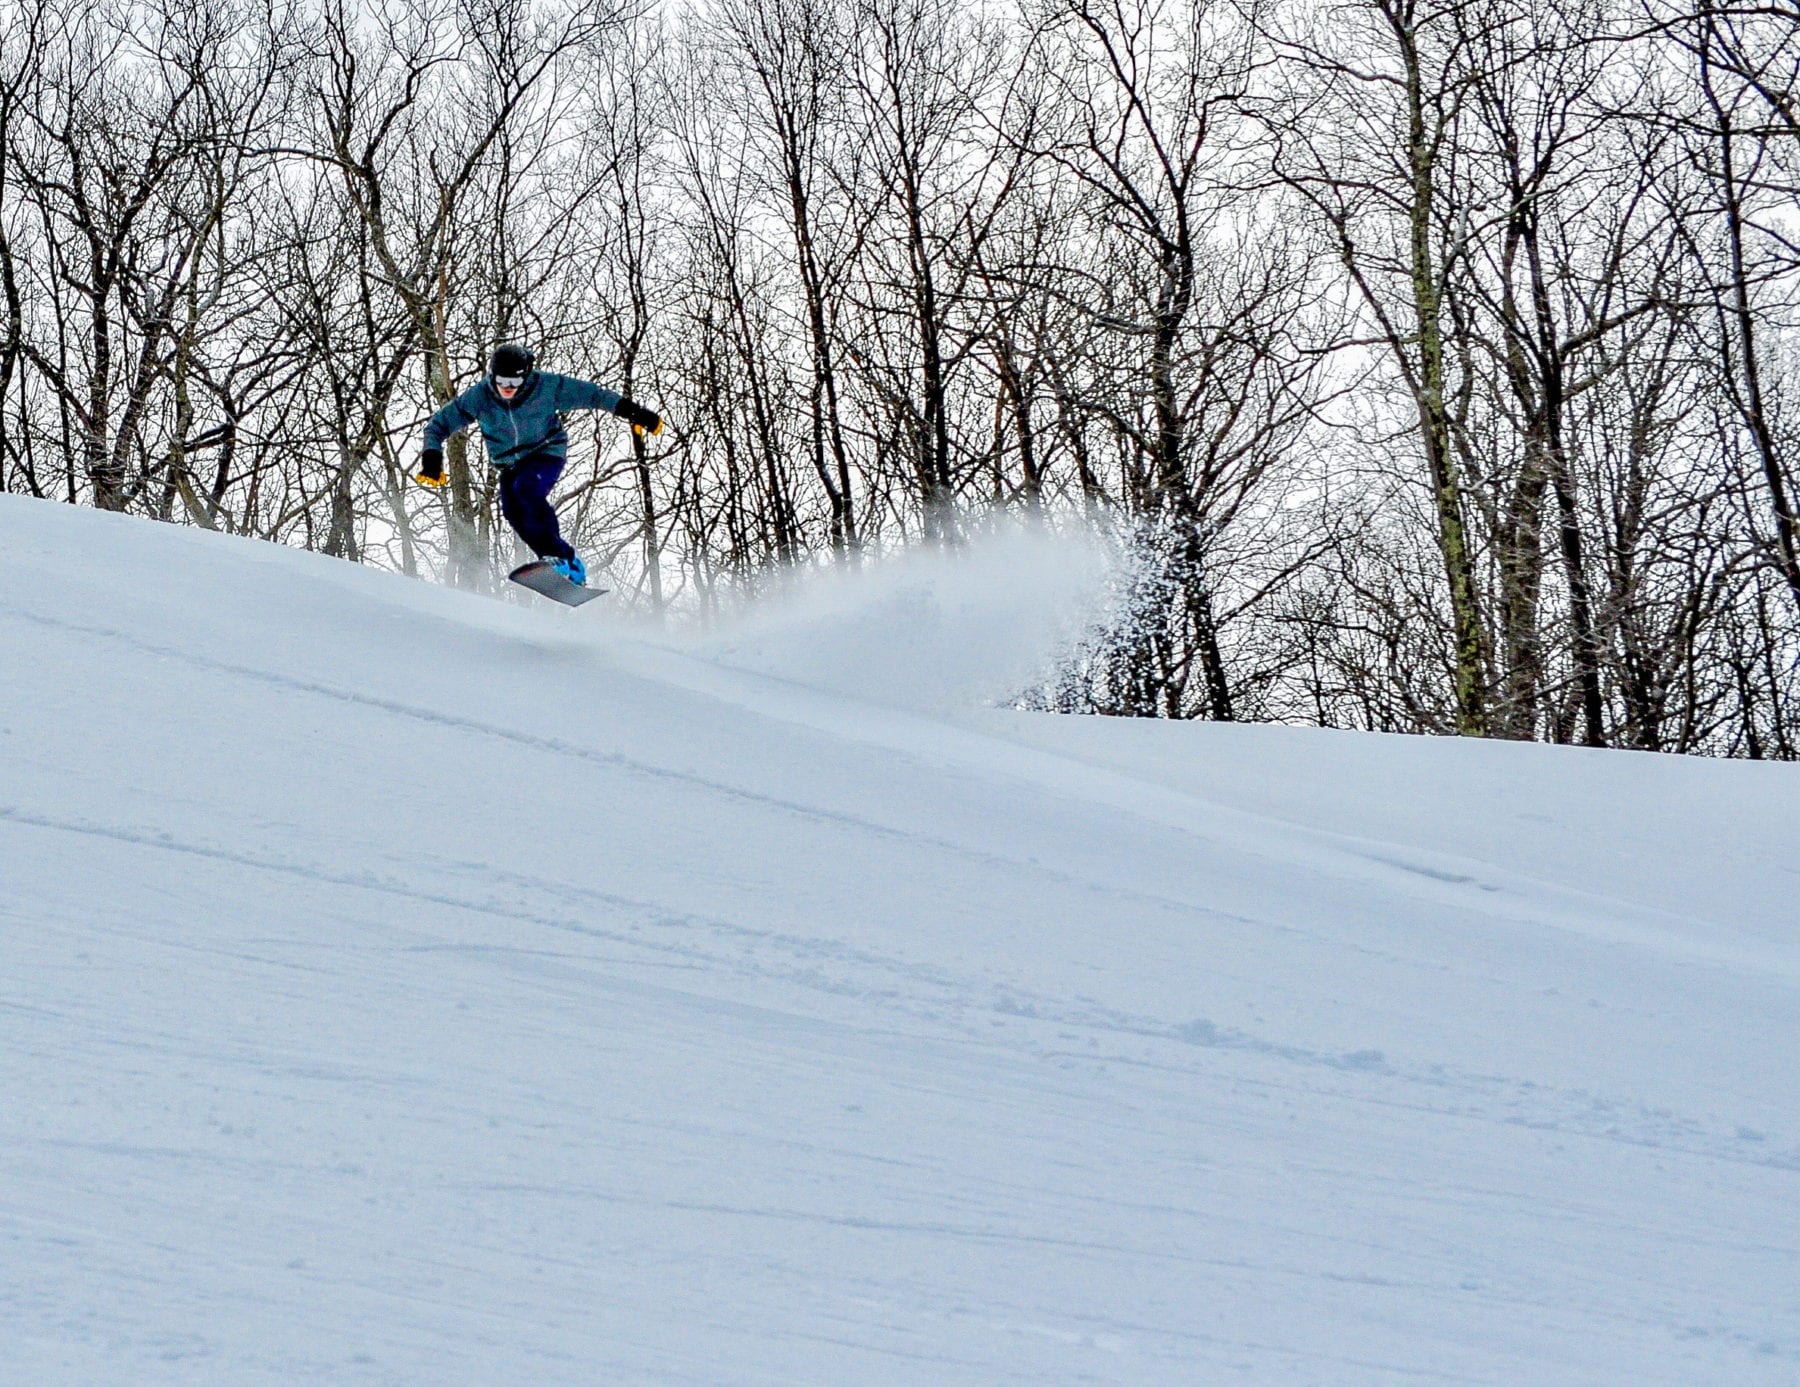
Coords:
pixel 510 360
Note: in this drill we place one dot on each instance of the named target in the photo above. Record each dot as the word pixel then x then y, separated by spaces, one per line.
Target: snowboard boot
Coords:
pixel 571 568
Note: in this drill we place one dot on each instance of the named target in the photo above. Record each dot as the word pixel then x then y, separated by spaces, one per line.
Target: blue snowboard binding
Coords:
pixel 571 568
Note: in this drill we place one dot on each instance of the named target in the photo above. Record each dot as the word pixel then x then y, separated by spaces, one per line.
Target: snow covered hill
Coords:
pixel 399 986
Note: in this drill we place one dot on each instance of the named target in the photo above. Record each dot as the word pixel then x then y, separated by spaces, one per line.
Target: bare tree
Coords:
pixel 791 62
pixel 1197 296
pixel 1365 123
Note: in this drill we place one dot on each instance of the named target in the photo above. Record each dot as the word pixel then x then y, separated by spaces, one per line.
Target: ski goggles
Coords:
pixel 508 382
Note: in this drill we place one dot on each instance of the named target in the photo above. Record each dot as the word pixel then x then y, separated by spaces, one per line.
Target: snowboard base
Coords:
pixel 542 578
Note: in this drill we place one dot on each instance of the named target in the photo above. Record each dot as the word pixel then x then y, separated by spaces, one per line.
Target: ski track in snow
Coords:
pixel 1056 1026
pixel 817 1042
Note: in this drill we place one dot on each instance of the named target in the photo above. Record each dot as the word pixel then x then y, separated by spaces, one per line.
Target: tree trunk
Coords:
pixel 1470 661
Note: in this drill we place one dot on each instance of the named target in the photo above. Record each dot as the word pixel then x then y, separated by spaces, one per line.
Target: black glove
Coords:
pixel 641 420
pixel 431 467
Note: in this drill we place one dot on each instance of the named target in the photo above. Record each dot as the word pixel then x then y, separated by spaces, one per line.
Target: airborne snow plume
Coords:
pixel 929 628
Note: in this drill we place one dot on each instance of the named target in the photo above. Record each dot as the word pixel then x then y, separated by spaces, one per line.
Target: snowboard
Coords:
pixel 541 577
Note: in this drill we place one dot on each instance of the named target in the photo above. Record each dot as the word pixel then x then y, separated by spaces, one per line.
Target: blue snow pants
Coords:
pixel 525 502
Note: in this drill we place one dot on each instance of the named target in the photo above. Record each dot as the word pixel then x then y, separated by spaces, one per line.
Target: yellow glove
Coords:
pixel 431 468
pixel 643 421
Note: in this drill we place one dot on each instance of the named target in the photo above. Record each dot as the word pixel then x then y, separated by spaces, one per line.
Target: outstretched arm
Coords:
pixel 584 394
pixel 449 421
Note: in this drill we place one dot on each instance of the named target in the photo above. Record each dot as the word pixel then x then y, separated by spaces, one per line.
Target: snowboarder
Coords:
pixel 520 411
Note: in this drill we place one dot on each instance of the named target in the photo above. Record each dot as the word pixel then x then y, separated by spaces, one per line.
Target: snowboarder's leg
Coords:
pixel 525 502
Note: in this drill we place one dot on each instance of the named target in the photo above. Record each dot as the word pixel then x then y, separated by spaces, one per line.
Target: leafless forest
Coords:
pixel 1434 360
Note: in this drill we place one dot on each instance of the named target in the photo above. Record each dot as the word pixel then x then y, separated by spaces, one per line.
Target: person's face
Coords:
pixel 508 386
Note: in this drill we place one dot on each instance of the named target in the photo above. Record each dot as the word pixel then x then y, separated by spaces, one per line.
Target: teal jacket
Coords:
pixel 530 422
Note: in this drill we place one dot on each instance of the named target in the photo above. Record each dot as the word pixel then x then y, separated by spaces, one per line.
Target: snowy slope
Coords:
pixel 397 986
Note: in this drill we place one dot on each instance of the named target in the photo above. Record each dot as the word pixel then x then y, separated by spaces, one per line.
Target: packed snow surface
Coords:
pixel 402 986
